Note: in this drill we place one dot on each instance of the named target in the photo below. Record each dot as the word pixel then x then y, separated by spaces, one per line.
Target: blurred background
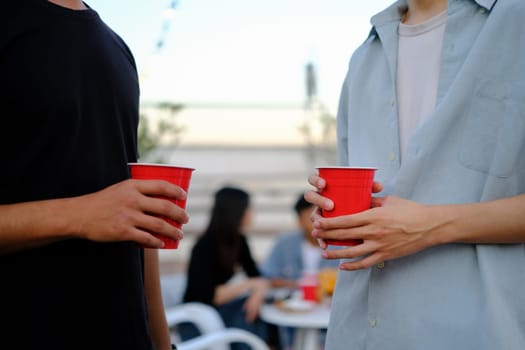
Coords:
pixel 245 92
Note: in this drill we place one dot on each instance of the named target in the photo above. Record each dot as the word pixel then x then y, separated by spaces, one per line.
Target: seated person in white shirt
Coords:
pixel 294 254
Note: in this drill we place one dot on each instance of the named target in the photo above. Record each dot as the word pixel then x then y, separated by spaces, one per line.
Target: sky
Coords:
pixel 240 52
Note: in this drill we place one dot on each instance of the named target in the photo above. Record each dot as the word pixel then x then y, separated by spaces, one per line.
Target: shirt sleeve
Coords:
pixel 246 260
pixel 271 267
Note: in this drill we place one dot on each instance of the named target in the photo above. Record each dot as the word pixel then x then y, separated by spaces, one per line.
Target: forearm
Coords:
pixel 228 292
pixel 126 211
pixel 157 318
pixel 282 283
pixel 499 221
pixel 32 224
pixel 397 227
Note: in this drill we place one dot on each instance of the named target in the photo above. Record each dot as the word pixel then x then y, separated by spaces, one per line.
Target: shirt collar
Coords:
pixel 393 12
pixel 488 4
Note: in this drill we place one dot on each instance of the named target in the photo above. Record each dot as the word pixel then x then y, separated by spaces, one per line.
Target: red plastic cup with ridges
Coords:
pixel 350 188
pixel 180 176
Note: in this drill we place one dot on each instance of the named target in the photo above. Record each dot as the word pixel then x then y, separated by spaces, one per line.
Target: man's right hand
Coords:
pixel 128 211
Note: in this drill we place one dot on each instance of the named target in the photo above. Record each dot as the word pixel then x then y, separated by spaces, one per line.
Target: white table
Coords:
pixel 308 323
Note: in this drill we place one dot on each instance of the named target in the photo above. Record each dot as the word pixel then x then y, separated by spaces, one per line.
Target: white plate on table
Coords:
pixel 296 305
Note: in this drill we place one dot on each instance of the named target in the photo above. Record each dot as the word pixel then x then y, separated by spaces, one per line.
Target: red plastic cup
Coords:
pixel 350 188
pixel 308 285
pixel 309 292
pixel 179 176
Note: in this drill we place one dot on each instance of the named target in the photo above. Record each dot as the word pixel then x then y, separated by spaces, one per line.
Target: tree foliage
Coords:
pixel 166 130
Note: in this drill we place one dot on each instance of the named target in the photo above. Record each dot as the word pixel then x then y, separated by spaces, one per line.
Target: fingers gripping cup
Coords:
pixel 179 176
pixel 350 188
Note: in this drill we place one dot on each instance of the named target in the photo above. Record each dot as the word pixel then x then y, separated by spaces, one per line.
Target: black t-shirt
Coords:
pixel 205 272
pixel 68 115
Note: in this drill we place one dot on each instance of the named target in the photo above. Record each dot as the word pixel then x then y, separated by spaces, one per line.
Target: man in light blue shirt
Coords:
pixel 442 265
pixel 295 252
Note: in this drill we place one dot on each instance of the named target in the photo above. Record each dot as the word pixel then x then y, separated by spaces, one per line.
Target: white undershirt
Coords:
pixel 311 257
pixel 418 62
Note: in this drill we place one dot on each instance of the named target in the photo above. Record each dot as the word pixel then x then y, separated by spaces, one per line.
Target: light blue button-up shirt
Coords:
pixel 286 258
pixel 454 296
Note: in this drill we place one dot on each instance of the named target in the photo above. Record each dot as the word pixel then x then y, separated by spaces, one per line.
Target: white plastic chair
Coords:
pixel 215 335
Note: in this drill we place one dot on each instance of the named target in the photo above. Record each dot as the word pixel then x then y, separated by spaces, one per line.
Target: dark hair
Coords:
pixel 225 223
pixel 301 204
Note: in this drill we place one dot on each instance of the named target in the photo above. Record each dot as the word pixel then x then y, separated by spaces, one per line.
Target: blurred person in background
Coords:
pixel 217 258
pixel 435 99
pixel 294 255
pixel 74 275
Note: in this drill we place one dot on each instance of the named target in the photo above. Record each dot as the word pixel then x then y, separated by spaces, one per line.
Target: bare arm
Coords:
pixel 121 212
pixel 397 227
pixel 157 318
pixel 498 221
pixel 227 292
pixel 255 288
pixel 32 224
pixel 283 283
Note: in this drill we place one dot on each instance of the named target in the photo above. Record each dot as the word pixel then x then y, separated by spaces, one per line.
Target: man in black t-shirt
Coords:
pixel 71 222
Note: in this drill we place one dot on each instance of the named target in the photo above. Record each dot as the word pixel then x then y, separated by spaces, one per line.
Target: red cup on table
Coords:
pixel 350 188
pixel 309 284
pixel 177 175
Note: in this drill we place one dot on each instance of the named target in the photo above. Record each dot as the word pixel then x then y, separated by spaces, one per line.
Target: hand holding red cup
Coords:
pixel 179 176
pixel 350 189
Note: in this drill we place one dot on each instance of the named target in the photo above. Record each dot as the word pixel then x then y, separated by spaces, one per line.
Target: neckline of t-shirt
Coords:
pixel 61 10
pixel 421 28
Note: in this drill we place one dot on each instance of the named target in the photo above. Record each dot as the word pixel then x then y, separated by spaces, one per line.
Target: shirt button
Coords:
pixel 392 102
pixel 482 10
pixel 373 323
pixel 392 156
pixel 381 265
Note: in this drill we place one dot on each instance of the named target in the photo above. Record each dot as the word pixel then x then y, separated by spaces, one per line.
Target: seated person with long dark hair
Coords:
pixel 216 258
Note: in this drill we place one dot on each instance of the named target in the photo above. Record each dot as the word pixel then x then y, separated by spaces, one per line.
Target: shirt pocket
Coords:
pixel 494 131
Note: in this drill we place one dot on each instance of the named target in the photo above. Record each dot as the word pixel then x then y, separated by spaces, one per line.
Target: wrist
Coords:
pixel 70 221
pixel 442 218
pixel 51 219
